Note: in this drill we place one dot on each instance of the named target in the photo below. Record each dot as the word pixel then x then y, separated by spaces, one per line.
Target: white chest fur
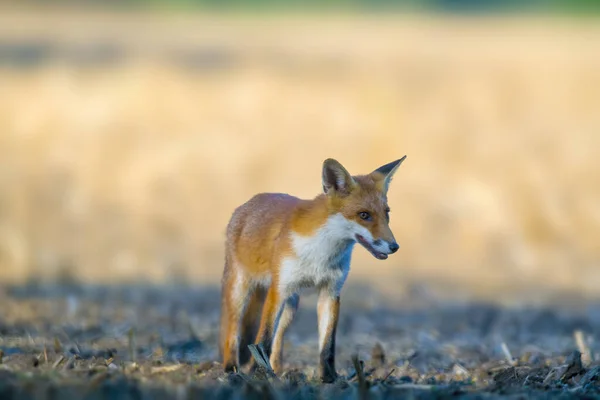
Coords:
pixel 322 259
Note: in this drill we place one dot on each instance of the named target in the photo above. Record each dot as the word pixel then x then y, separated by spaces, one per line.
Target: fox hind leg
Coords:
pixel 235 298
pixel 250 322
pixel 271 306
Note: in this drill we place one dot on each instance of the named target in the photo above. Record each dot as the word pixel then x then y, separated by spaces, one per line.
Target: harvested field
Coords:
pixel 147 342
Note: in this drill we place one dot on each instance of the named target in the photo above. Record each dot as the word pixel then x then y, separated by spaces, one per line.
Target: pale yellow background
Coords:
pixel 129 170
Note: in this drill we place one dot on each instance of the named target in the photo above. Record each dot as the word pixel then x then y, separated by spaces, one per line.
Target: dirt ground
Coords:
pixel 70 340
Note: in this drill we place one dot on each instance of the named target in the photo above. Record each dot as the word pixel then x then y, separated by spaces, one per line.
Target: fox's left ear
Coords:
pixel 388 171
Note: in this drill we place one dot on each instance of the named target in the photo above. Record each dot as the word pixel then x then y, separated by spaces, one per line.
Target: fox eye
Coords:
pixel 364 215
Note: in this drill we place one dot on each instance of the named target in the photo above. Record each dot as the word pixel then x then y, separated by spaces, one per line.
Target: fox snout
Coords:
pixel 384 240
pixel 379 248
pixel 392 245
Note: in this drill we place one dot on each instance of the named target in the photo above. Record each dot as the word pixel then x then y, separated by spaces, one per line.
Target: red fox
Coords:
pixel 278 244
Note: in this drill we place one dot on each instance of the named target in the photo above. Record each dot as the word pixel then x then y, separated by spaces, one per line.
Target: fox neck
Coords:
pixel 326 229
pixel 310 215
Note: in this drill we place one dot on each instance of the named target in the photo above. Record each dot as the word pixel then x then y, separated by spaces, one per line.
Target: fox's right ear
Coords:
pixel 336 179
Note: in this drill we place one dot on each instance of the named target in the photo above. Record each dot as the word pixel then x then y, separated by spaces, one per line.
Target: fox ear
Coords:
pixel 388 171
pixel 336 179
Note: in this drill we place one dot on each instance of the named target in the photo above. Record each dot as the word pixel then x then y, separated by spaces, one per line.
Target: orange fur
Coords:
pixel 278 243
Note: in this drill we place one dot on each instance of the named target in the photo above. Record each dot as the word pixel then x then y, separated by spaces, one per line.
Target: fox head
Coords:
pixel 362 201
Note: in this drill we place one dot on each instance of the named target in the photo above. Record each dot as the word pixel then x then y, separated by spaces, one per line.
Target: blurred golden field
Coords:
pixel 126 141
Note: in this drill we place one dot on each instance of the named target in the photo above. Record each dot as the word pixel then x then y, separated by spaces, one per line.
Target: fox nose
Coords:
pixel 394 247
